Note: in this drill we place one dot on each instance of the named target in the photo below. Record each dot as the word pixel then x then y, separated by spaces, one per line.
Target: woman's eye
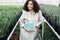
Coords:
pixel 31 4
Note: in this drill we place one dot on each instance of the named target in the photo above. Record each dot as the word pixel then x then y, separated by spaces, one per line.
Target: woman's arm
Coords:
pixel 40 20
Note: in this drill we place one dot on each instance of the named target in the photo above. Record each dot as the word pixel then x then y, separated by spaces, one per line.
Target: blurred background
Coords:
pixel 10 12
pixel 21 2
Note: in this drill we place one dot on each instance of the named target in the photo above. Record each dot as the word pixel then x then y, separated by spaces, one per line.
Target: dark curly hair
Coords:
pixel 36 7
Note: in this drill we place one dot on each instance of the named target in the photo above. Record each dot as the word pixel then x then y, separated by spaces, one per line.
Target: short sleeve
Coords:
pixel 40 19
pixel 21 19
pixel 40 16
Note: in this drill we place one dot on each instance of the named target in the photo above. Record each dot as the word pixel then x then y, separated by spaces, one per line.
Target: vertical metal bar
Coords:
pixel 42 28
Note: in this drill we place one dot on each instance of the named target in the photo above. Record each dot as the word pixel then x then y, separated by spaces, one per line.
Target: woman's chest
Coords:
pixel 30 17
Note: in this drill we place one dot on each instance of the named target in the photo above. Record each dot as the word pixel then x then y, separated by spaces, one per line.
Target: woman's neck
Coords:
pixel 32 11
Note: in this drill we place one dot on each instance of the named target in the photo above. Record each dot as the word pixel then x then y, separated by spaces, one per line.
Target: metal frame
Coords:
pixel 52 28
pixel 44 20
pixel 13 30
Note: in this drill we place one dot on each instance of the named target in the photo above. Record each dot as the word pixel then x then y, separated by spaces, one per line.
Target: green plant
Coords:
pixel 48 33
pixel 52 14
pixel 7 16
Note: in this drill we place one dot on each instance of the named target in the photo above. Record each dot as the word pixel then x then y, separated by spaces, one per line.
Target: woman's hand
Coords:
pixel 28 30
pixel 36 26
pixel 32 30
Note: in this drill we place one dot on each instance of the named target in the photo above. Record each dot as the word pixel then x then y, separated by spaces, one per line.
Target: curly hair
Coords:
pixel 36 7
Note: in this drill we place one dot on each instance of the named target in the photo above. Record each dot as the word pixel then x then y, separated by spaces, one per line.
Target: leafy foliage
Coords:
pixel 48 33
pixel 52 14
pixel 7 15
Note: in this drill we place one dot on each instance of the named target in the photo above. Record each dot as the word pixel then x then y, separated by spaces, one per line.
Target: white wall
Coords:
pixel 53 2
pixel 12 2
pixel 50 2
pixel 59 1
pixel 21 2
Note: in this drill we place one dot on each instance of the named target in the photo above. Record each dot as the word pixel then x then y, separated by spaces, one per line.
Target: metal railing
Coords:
pixel 52 28
pixel 13 30
pixel 44 20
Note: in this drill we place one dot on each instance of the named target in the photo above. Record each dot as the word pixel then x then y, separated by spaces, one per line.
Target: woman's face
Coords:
pixel 30 5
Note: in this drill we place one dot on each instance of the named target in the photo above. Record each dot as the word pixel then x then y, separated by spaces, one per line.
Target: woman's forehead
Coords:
pixel 30 2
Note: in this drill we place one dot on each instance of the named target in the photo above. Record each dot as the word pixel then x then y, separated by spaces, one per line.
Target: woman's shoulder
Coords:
pixel 24 11
pixel 40 11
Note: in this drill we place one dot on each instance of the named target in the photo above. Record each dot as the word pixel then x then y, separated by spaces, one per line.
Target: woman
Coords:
pixel 31 13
